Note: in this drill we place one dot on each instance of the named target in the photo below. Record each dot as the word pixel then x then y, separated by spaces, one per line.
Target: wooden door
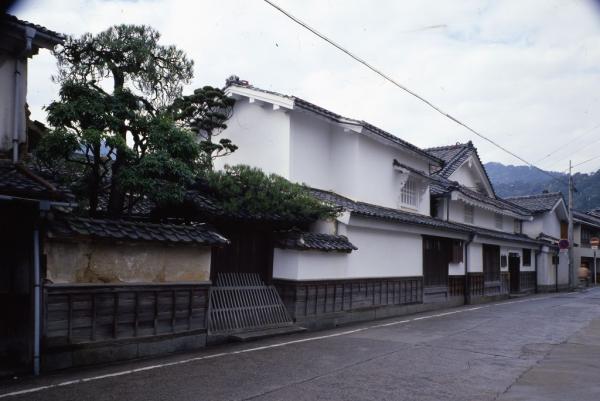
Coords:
pixel 491 263
pixel 514 269
pixel 436 255
pixel 249 251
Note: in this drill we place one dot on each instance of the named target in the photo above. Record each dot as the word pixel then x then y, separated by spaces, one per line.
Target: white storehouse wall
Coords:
pixel 262 135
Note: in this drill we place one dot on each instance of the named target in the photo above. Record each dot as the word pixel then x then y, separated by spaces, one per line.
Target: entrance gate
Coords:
pixel 242 302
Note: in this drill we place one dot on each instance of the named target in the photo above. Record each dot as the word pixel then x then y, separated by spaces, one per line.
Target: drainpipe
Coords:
pixel 37 291
pixel 556 271
pixel 467 291
pixel 29 35
pixel 36 302
pixel 537 253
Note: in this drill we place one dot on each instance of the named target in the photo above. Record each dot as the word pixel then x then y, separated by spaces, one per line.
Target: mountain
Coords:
pixel 523 180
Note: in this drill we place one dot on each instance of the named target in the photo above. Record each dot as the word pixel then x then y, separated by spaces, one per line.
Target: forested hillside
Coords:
pixel 522 180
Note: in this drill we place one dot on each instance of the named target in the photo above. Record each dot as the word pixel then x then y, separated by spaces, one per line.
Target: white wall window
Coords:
pixel 469 214
pixel 518 226
pixel 498 221
pixel 409 195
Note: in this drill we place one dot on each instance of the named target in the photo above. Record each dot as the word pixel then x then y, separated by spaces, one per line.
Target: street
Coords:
pixel 543 347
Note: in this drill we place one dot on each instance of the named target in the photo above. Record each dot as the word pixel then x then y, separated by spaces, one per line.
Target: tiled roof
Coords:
pixel 20 181
pixel 420 173
pixel 369 210
pixel 306 105
pixel 11 19
pixel 550 240
pixel 594 212
pixel 488 233
pixel 442 186
pixel 124 230
pixel 586 218
pixel 454 156
pixel 315 241
pixel 538 203
pixel 136 207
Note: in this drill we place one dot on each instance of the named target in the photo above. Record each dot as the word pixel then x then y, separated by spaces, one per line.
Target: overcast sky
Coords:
pixel 524 73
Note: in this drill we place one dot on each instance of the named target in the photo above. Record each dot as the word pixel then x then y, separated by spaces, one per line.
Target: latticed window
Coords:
pixel 518 226
pixel 469 214
pixel 408 194
pixel 498 220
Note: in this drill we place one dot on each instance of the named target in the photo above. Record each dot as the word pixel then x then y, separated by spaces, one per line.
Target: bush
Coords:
pixel 246 189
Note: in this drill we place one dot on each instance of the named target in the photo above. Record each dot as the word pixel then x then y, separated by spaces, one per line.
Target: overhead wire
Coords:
pixel 404 88
pixel 568 143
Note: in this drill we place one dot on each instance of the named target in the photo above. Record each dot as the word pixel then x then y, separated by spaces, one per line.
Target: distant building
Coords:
pixel 549 224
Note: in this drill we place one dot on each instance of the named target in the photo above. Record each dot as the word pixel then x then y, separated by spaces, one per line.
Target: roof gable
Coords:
pixel 459 157
pixel 540 203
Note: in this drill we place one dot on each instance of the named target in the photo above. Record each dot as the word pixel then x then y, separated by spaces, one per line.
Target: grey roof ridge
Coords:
pixel 525 211
pixel 305 104
pixel 445 147
pixel 533 196
pixel 491 232
pixel 450 225
pixel 455 186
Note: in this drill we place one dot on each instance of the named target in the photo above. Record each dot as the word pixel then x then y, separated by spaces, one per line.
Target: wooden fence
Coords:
pixel 87 313
pixel 319 297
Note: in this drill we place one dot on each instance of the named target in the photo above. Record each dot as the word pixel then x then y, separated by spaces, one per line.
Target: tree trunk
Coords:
pixel 117 194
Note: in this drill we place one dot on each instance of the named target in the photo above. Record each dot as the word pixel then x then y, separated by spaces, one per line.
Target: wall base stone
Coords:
pixel 121 350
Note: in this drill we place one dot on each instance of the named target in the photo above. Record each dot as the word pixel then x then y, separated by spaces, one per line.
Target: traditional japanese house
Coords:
pixel 24 198
pixel 549 225
pixel 586 225
pixel 401 260
pixel 501 257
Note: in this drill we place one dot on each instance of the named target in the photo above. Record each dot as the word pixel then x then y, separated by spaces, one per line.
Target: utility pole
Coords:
pixel 572 270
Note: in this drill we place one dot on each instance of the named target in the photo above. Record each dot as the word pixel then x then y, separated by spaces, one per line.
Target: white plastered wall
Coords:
pixel 262 136
pixel 7 102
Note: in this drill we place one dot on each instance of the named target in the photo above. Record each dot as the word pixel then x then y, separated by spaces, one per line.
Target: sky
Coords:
pixel 526 74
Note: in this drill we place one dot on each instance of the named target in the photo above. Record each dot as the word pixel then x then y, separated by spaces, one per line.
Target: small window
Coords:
pixel 585 236
pixel 503 261
pixel 457 251
pixel 408 194
pixel 498 221
pixel 526 257
pixel 469 214
pixel 518 226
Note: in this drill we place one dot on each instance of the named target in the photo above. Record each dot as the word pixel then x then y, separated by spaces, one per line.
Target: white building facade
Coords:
pixel 425 226
pixel 549 225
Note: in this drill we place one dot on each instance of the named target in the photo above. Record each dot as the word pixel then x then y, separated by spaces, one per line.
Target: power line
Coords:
pixel 585 161
pixel 404 88
pixel 568 143
pixel 574 153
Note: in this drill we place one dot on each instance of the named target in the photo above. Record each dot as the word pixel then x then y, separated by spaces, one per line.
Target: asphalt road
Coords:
pixel 535 348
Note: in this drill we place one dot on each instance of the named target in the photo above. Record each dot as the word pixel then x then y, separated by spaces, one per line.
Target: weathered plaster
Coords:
pixel 99 262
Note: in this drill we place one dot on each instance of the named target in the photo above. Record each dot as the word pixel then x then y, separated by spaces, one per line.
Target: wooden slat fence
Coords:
pixel 313 298
pixel 78 314
pixel 528 281
pixel 456 286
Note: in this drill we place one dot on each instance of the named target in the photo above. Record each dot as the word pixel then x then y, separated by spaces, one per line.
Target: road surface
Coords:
pixel 544 347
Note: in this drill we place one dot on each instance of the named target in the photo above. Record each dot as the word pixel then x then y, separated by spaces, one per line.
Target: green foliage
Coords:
pixel 205 112
pixel 168 166
pixel 113 143
pixel 131 56
pixel 523 180
pixel 246 189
